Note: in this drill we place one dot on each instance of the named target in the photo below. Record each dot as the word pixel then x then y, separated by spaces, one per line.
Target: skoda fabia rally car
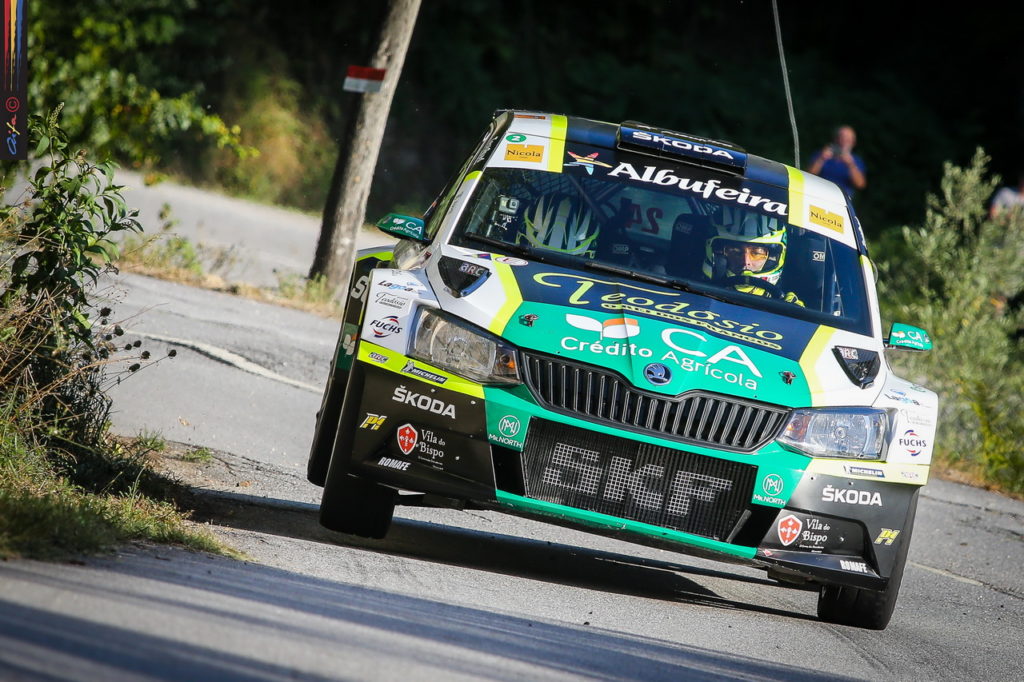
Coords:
pixel 640 333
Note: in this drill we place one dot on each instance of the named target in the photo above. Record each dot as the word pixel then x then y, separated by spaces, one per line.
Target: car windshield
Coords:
pixel 643 230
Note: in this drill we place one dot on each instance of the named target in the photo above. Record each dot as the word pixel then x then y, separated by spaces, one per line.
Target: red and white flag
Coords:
pixel 363 79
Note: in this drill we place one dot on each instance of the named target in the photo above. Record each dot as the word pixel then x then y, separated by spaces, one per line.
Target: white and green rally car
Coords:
pixel 640 333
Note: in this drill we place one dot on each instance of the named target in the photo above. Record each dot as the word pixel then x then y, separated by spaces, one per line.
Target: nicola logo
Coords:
pixel 615 328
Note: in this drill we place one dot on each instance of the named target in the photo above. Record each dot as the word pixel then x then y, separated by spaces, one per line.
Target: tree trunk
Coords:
pixel 345 210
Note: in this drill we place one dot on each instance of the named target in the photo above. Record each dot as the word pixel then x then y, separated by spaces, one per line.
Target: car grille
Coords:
pixel 695 417
pixel 637 481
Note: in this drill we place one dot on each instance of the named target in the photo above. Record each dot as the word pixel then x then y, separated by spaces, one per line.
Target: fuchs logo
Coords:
pixel 509 426
pixel 407 438
pixel 789 530
pixel 586 162
pixel 851 496
pixel 772 484
pixel 657 373
pixel 423 402
pixel 385 327
pixel 913 442
pixel 615 328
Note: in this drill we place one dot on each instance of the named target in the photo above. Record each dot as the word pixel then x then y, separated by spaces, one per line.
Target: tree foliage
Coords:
pixel 958 276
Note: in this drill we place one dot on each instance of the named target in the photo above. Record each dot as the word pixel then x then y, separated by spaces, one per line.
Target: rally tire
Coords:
pixel 868 609
pixel 326 429
pixel 357 507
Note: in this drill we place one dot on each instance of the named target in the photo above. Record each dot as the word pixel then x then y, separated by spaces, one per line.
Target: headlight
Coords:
pixel 845 432
pixel 459 348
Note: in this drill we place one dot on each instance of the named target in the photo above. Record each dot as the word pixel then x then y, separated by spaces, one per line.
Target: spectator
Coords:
pixel 1008 198
pixel 837 162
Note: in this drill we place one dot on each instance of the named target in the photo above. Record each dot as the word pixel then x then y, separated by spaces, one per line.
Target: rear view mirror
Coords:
pixel 904 337
pixel 402 226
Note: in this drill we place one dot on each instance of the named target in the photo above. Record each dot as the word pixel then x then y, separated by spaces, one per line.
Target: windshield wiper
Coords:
pixel 514 248
pixel 681 284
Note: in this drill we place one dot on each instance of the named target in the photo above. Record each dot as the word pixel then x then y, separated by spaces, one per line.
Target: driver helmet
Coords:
pixel 745 244
pixel 562 223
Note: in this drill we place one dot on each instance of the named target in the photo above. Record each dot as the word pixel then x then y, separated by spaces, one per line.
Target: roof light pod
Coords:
pixel 645 139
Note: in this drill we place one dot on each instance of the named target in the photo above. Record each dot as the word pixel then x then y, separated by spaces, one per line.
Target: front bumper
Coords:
pixel 419 428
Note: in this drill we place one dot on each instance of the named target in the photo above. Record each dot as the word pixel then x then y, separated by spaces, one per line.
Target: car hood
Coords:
pixel 660 339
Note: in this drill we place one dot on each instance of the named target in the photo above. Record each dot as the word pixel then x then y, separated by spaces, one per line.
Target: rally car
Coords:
pixel 640 333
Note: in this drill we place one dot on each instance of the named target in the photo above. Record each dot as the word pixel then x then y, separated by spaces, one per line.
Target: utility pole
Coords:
pixel 345 210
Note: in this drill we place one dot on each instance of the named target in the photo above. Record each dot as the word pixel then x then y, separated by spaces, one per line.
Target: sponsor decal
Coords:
pixel 348 340
pixel 374 355
pixel 531 153
pixel 423 402
pixel 392 301
pixel 402 286
pixel 373 421
pixel 772 485
pixel 586 162
pixel 900 397
pixel 530 116
pixel 789 529
pixel 407 436
pixel 515 138
pixel 911 475
pixel 887 537
pixel 509 426
pixel 787 377
pixel 385 327
pixel 675 143
pixel 815 535
pixel 411 368
pixel 528 319
pixel 851 496
pixel 854 566
pixel 912 442
pixel 472 269
pixel 705 188
pixel 615 328
pixel 824 218
pixel 393 463
pixel 863 471
pixel 359 288
pixel 848 353
pixel 509 260
pixel 818 256
pixel 657 373
pixel 656 303
pixel 429 448
pixel 578 469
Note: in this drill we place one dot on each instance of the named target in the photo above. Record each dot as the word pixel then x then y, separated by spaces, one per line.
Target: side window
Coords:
pixel 435 213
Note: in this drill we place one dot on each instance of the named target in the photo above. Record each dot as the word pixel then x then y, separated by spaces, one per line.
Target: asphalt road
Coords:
pixel 448 595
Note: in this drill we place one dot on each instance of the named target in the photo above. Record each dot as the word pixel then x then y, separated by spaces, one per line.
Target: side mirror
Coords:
pixel 403 227
pixel 904 337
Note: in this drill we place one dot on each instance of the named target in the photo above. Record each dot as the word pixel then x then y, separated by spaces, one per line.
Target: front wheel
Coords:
pixel 869 609
pixel 357 507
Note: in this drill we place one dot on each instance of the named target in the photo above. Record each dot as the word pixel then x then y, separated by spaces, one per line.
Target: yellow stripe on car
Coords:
pixel 395 362
pixel 513 298
pixel 809 360
pixel 556 150
pixel 797 212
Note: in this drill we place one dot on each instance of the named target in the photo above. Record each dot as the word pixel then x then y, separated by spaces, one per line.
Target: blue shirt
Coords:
pixel 838 172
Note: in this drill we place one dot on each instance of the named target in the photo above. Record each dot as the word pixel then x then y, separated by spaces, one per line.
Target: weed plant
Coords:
pixel 959 276
pixel 65 486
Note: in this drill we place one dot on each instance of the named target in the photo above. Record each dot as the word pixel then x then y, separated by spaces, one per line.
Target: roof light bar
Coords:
pixel 647 139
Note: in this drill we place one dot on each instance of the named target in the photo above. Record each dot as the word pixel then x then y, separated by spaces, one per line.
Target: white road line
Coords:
pixel 947 574
pixel 229 358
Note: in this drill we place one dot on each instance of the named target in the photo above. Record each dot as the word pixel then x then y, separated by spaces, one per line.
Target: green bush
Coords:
pixel 959 276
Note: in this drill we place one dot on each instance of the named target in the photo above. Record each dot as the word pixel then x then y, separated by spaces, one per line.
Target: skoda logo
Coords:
pixel 657 373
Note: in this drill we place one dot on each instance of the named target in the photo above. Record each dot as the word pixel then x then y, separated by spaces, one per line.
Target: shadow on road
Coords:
pixel 229 620
pixel 488 551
